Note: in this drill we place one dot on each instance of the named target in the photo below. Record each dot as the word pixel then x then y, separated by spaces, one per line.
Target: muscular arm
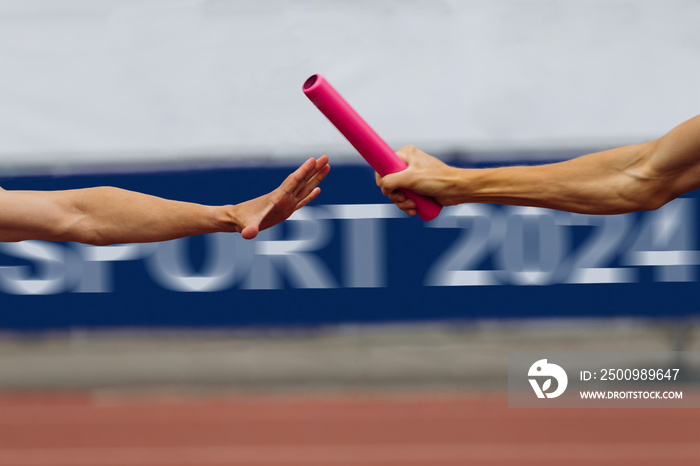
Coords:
pixel 625 179
pixel 107 215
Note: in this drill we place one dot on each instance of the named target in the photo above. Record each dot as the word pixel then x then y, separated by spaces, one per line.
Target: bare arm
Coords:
pixel 625 179
pixel 107 215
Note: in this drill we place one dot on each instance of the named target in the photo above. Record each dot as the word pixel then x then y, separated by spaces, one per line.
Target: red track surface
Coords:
pixel 345 430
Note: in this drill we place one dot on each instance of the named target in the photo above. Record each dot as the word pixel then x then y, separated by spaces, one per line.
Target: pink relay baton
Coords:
pixel 375 151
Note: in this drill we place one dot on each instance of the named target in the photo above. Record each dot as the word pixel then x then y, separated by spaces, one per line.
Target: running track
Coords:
pixel 372 429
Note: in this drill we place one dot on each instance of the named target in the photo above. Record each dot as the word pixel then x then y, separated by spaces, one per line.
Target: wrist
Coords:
pixel 462 185
pixel 225 218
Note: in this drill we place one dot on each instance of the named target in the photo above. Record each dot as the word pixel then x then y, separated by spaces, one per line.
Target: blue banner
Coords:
pixel 350 257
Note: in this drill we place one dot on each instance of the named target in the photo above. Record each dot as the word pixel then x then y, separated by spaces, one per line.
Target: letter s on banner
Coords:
pixel 56 268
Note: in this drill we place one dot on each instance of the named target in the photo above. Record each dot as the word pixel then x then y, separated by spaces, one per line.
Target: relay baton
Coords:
pixel 376 152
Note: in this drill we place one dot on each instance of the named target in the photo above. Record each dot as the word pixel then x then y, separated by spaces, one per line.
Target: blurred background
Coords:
pixel 350 334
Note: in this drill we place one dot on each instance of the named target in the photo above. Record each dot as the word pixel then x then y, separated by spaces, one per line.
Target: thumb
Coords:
pixel 397 180
pixel 394 181
pixel 405 153
pixel 250 232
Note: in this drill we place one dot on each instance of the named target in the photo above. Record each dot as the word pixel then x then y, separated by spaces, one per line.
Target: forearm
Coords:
pixel 112 215
pixel 625 179
pixel 609 182
pixel 106 215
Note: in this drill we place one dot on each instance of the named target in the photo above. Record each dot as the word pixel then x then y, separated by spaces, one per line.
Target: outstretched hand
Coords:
pixel 300 188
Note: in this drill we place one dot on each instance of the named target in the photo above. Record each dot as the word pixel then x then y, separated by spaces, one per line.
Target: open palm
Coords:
pixel 300 188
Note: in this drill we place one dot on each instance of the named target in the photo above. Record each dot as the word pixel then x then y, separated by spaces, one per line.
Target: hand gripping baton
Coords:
pixel 376 152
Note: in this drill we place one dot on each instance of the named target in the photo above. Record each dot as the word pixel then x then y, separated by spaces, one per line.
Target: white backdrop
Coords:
pixel 92 81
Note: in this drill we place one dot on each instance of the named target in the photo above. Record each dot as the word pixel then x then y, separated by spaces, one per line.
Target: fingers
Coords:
pixel 303 183
pixel 311 184
pixel 292 183
pixel 389 184
pixel 402 202
pixel 318 168
pixel 312 195
pixel 321 162
pixel 312 171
